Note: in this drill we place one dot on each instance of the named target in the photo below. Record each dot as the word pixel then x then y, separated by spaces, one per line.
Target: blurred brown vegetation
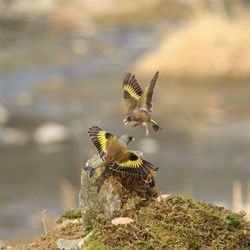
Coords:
pixel 208 46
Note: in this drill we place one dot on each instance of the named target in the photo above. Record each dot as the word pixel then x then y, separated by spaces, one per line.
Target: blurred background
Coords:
pixel 61 69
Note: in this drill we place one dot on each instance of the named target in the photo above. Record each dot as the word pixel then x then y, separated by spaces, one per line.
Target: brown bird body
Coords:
pixel 141 116
pixel 139 103
pixel 116 151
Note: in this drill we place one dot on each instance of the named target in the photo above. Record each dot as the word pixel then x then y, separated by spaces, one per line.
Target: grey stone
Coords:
pixel 110 192
pixel 69 244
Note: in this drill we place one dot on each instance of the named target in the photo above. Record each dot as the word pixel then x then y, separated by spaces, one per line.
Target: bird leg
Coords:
pixel 147 132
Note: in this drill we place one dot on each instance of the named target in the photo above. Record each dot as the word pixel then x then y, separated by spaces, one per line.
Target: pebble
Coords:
pixel 13 136
pixel 50 133
pixel 162 197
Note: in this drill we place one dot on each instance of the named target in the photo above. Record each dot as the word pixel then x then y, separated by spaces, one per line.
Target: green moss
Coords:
pixel 233 221
pixel 177 223
pixel 132 203
pixel 70 215
pixel 72 231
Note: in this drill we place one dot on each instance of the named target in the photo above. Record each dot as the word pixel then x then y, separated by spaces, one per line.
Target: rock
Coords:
pixel 122 221
pixel 13 136
pixel 88 199
pixel 162 197
pixel 69 244
pixel 50 133
pixel 110 193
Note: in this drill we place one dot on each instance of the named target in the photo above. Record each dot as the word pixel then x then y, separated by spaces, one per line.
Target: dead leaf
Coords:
pixel 121 221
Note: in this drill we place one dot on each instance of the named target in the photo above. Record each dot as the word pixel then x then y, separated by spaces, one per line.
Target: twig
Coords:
pixel 44 223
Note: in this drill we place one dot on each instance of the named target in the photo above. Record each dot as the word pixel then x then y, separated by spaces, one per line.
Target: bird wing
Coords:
pixel 145 102
pixel 131 91
pixel 134 165
pixel 100 139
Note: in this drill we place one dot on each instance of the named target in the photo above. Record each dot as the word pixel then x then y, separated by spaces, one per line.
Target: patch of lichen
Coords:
pixel 177 223
pixel 70 215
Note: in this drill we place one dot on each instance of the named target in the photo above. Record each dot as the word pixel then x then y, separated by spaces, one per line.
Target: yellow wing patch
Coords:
pixel 131 91
pixel 100 139
pixel 134 165
pixel 137 163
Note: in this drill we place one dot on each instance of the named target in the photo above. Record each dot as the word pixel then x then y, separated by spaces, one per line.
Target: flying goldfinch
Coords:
pixel 113 153
pixel 139 103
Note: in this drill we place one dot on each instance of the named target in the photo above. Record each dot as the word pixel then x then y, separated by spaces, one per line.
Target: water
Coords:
pixel 204 149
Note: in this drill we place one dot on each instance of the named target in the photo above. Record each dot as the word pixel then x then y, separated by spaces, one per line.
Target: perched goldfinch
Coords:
pixel 94 165
pixel 95 168
pixel 113 153
pixel 139 103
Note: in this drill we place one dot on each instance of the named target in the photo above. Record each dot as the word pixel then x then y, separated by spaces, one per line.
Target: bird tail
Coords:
pixel 154 125
pixel 145 169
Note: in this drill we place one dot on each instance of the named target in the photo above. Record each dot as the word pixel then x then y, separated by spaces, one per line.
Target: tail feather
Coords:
pixel 154 125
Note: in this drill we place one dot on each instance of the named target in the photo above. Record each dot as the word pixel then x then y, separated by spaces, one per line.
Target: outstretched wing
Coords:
pixel 100 139
pixel 134 165
pixel 145 101
pixel 131 91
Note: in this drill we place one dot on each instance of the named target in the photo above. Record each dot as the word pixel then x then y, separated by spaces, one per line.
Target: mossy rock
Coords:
pixel 177 222
pixel 110 193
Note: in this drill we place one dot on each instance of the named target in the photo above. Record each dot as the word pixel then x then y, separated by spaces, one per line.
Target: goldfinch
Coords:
pixel 113 153
pixel 138 102
pixel 95 166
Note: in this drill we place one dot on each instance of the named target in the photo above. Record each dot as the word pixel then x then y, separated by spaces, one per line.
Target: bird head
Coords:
pixel 127 119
